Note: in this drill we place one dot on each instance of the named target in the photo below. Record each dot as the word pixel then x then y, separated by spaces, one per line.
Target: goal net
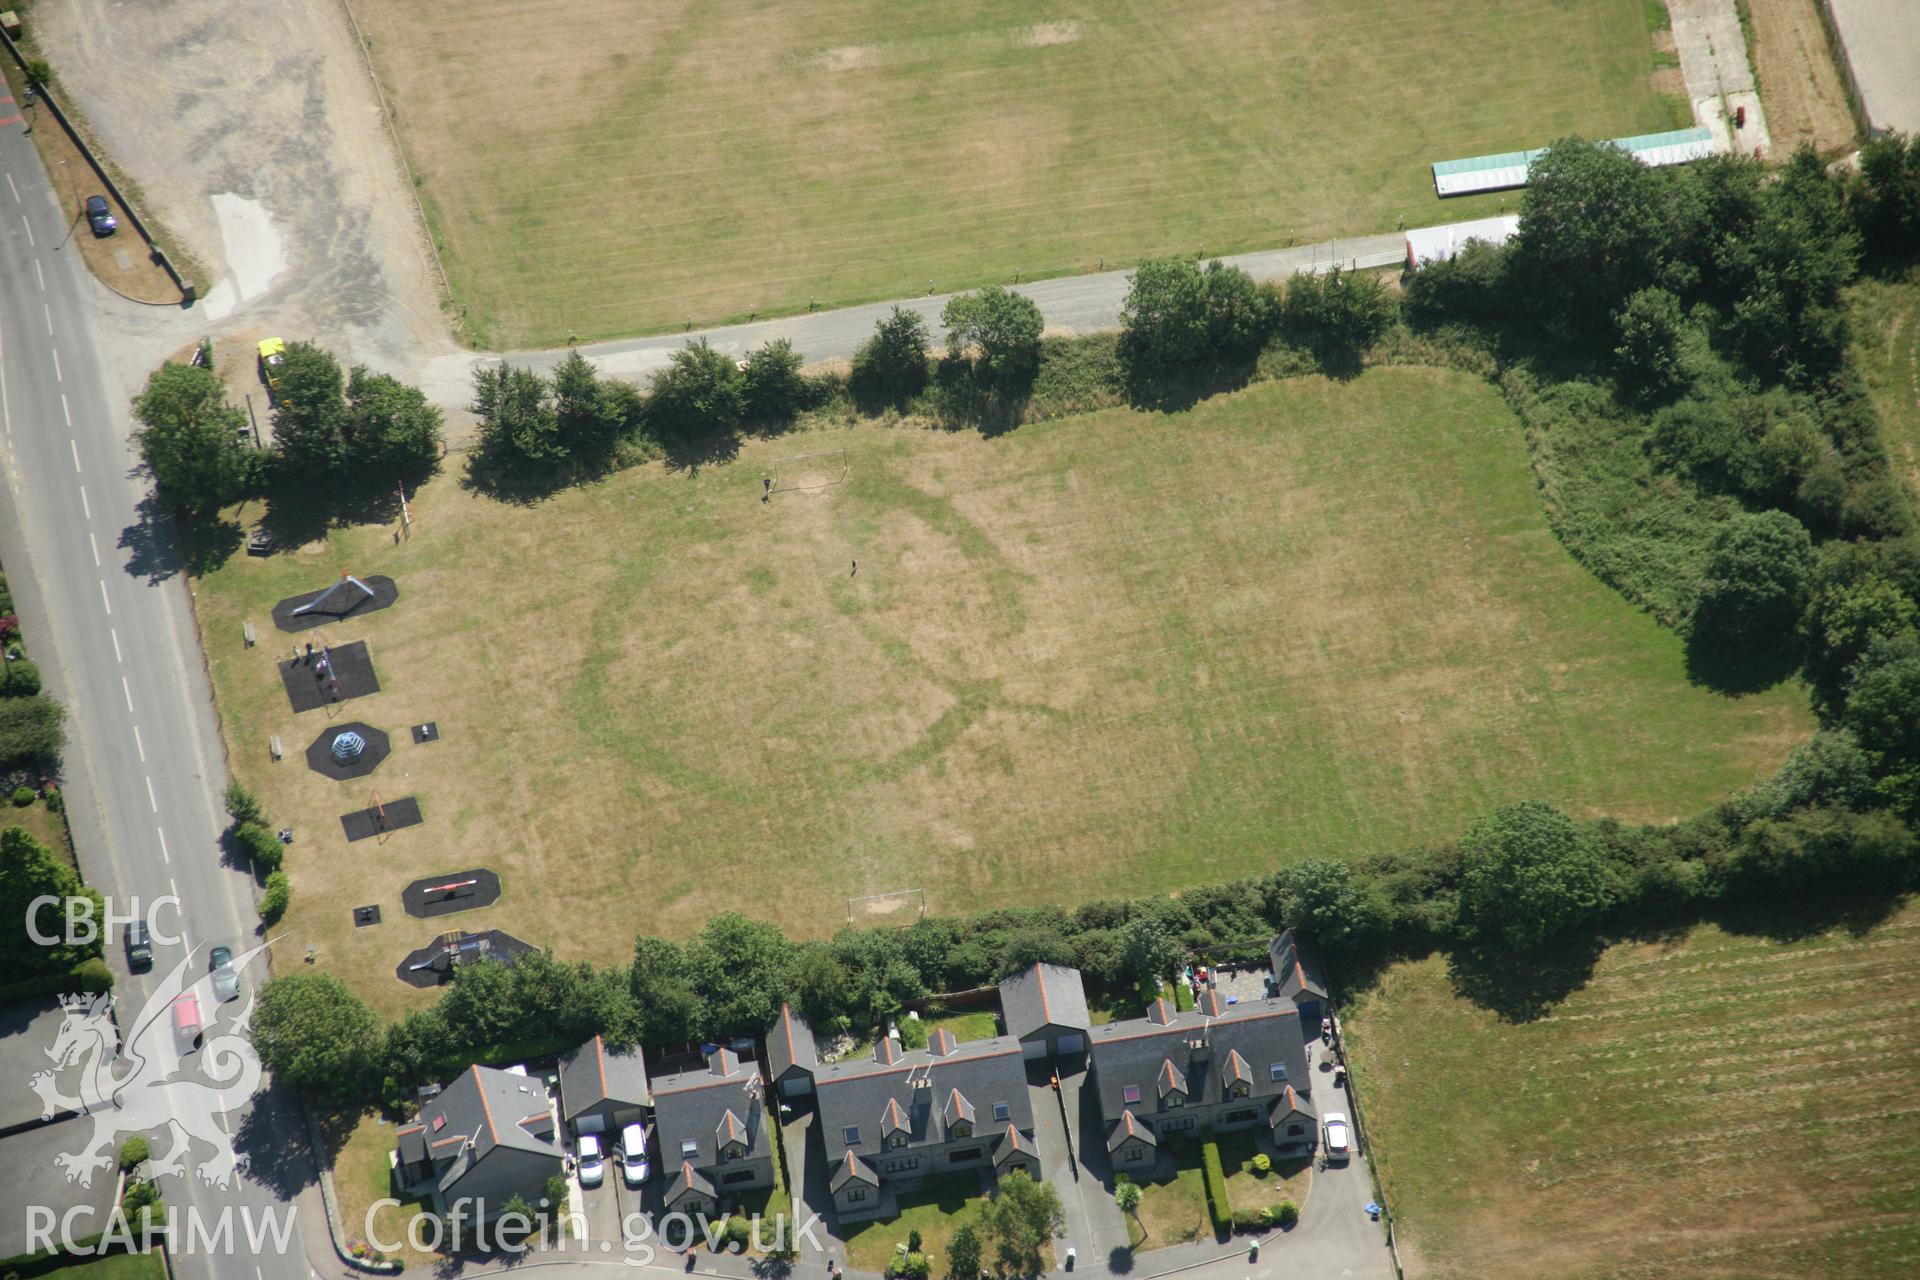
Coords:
pixel 806 472
pixel 901 907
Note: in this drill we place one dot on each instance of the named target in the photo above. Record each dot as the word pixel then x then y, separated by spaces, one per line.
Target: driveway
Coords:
pixel 1096 1231
pixel 29 1180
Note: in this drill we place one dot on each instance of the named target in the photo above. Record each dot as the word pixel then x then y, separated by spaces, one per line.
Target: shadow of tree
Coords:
pixel 1524 988
pixel 272 1141
pixel 1120 1260
pixel 1714 664
pixel 1804 916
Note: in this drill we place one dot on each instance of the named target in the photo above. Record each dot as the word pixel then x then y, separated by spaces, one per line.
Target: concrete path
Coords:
pixel 1070 304
pixel 1713 59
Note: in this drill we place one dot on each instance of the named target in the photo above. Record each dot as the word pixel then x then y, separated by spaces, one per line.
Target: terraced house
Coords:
pixel 890 1121
pixel 713 1134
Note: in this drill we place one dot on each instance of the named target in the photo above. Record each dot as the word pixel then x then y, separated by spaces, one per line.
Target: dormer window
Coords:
pixel 1238 1089
pixel 1176 1100
pixel 897 1141
pixel 961 1129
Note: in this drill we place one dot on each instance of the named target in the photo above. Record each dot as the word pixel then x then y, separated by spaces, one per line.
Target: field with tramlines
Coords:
pixel 1718 1105
pixel 600 167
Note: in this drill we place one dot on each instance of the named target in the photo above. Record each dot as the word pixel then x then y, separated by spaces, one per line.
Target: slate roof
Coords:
pixel 483 1110
pixel 1046 995
pixel 1296 966
pixel 593 1074
pixel 692 1107
pixel 790 1045
pixel 1010 1142
pixel 850 1169
pixel 914 1091
pixel 1129 1129
pixel 1260 1034
pixel 689 1179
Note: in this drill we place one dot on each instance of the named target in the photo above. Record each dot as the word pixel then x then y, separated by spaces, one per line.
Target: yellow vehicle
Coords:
pixel 273 353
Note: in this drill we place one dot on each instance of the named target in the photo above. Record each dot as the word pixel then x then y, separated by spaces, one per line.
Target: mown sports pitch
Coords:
pixel 599 167
pixel 1720 1106
pixel 1112 654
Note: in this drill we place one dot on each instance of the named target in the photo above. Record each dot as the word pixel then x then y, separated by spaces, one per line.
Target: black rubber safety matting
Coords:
pixel 320 754
pixel 434 963
pixel 364 916
pixel 455 891
pixel 317 678
pixel 347 603
pixel 428 732
pixel 390 815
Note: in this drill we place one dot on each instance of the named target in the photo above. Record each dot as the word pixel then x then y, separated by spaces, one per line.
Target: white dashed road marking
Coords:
pixel 95 544
pixel 163 845
pixel 151 802
pixel 75 446
pixel 127 689
pixel 87 509
pixel 103 597
pixel 116 644
pixel 138 745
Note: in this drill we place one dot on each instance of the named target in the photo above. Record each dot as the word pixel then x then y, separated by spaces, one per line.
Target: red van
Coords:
pixel 186 1019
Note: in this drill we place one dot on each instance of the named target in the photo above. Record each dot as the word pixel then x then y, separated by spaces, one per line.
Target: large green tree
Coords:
pixel 29 870
pixel 310 412
pixel 772 384
pixel 1594 228
pixel 315 1034
pixel 1325 897
pixel 697 396
pixel 1528 874
pixel 518 427
pixel 32 731
pixel 590 411
pixel 1004 327
pixel 1020 1220
pixel 1164 320
pixel 743 970
pixel 890 368
pixel 189 437
pixel 1757 577
pixel 390 433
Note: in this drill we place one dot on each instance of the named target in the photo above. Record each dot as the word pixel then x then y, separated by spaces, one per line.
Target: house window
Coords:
pixel 851 1135
pixel 690 1147
pixel 960 1129
pixel 1277 1072
pixel 1176 1100
pixel 963 1155
pixel 897 1141
pixel 745 1175
pixel 1136 1154
pixel 1238 1089
pixel 1296 1131
pixel 1130 1093
pixel 1242 1114
pixel 903 1165
pixel 855 1194
pixel 1000 1111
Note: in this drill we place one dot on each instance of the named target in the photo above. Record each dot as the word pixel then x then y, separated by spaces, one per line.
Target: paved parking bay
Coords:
pixel 30 1178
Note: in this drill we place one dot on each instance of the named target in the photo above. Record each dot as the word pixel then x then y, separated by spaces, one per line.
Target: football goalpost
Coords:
pixel 807 472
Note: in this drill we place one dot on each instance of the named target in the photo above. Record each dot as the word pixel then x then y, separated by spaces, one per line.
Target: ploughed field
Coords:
pixel 602 167
pixel 1113 654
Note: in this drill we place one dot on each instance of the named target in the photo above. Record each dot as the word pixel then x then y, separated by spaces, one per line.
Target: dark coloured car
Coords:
pixel 139 945
pixel 100 217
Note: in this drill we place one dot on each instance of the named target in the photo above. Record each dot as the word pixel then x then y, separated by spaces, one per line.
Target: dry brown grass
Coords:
pixel 597 167
pixel 1113 654
pixel 1718 1107
pixel 1800 82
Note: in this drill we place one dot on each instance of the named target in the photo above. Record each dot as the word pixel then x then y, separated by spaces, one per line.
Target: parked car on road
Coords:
pixel 186 1019
pixel 1339 1137
pixel 100 216
pixel 226 980
pixel 593 1162
pixel 139 945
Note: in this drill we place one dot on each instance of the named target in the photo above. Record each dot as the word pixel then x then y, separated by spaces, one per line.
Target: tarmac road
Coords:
pixel 101 594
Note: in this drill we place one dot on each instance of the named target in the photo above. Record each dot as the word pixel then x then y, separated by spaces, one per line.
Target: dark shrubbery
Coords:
pixel 890 369
pixel 1214 1176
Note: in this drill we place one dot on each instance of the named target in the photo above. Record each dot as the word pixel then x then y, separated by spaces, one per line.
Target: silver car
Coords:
pixel 226 980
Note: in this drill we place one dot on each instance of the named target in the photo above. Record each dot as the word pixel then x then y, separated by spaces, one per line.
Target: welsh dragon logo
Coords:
pixel 153 1080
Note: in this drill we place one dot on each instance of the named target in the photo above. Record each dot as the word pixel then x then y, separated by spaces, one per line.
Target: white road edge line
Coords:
pixel 127 689
pixel 115 633
pixel 95 544
pixel 5 412
pixel 161 832
pixel 138 745
pixel 151 802
pixel 103 597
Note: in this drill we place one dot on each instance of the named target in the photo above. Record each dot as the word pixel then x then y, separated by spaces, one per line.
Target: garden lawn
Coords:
pixel 1716 1106
pixel 362 1176
pixel 649 163
pixel 936 1211
pixel 1249 1189
pixel 1173 1211
pixel 1108 655
pixel 117 1266
pixel 981 1024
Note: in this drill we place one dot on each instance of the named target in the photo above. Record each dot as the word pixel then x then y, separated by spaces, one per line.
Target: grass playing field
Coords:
pixel 1112 654
pixel 613 166
pixel 1718 1106
pixel 1886 331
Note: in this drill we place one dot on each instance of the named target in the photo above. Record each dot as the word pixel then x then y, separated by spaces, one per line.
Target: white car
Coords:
pixel 633 1154
pixel 226 982
pixel 593 1162
pixel 1339 1137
